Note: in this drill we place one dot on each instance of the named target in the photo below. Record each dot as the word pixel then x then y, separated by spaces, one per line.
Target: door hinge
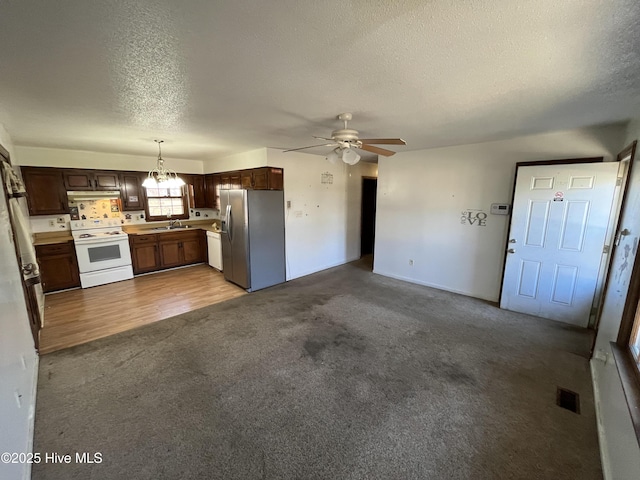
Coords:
pixel 618 181
pixel 606 249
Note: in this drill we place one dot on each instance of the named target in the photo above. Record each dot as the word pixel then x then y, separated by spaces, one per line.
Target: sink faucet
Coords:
pixel 172 223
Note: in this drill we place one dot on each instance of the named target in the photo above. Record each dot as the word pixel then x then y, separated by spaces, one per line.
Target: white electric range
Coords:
pixel 103 252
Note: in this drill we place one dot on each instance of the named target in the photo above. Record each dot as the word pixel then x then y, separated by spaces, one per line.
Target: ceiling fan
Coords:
pixel 345 141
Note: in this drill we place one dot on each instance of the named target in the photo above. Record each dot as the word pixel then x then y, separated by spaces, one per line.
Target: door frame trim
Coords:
pixel 363 178
pixel 31 314
pixel 566 161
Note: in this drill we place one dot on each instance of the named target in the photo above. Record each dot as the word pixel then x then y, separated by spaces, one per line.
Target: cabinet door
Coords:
pixel 170 253
pixel 199 198
pixel 145 258
pixel 210 191
pixel 105 180
pixel 192 250
pixel 78 179
pixel 234 180
pixel 276 178
pixel 58 266
pixel 246 179
pixel 217 179
pixel 46 194
pixel 261 179
pixel 131 191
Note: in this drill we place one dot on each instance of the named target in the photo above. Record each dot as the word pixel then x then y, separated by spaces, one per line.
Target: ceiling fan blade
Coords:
pixel 378 150
pixel 383 141
pixel 323 138
pixel 311 146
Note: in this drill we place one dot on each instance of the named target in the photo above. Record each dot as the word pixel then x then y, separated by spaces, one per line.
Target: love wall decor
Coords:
pixel 473 217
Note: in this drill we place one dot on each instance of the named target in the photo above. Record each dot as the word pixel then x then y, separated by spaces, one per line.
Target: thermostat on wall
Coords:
pixel 500 208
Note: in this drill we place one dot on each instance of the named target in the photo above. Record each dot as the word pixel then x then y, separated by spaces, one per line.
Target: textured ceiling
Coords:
pixel 219 77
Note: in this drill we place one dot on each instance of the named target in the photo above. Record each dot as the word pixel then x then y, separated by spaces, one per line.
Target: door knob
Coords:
pixel 513 240
pixel 511 250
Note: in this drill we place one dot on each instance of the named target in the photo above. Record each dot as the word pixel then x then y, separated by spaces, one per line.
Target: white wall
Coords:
pixel 421 195
pixel 239 161
pixel 18 360
pixel 57 157
pixel 618 444
pixel 323 223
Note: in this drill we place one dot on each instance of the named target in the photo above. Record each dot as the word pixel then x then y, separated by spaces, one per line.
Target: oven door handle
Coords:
pixel 95 241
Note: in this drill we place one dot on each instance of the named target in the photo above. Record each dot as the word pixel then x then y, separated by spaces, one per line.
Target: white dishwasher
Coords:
pixel 214 246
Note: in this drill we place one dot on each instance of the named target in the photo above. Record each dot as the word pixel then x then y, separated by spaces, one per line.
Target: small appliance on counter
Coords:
pixel 103 252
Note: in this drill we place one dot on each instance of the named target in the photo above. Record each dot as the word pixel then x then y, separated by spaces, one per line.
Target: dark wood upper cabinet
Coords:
pixel 199 197
pixel 106 181
pixel 211 192
pixel 195 189
pixel 235 180
pixel 131 190
pixel 246 179
pixel 268 178
pixel 90 180
pixel 46 194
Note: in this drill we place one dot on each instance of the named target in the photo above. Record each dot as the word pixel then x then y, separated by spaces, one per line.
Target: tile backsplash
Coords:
pixel 55 223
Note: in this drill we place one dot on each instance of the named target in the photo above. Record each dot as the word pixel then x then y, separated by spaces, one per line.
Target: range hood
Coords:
pixel 93 195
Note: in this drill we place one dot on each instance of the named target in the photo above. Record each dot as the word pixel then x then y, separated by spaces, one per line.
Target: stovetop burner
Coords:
pixel 86 235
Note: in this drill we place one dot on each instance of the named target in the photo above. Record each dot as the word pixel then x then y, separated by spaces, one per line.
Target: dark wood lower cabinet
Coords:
pixel 58 266
pixel 144 253
pixel 170 253
pixel 150 252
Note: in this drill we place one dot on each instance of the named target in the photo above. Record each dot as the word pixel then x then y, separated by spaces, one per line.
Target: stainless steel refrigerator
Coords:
pixel 252 237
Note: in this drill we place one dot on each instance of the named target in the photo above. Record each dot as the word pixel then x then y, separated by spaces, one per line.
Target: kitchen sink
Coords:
pixel 175 227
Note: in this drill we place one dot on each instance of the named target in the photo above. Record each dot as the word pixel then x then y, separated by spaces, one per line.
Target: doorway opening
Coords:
pixel 368 218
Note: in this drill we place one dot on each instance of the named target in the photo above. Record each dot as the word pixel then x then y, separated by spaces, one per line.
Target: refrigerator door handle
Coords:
pixel 229 223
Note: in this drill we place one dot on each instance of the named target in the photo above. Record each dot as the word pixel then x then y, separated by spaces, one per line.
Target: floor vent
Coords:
pixel 568 399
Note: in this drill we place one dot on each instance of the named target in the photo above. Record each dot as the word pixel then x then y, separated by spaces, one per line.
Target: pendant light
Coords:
pixel 161 177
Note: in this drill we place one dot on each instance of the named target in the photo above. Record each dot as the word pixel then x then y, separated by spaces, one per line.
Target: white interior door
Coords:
pixel 558 231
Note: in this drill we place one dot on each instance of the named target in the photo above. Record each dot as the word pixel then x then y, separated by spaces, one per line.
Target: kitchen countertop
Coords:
pixel 50 238
pixel 142 229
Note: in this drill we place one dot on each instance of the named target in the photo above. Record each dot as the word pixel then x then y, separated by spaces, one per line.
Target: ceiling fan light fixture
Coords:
pixel 334 155
pixel 161 177
pixel 350 157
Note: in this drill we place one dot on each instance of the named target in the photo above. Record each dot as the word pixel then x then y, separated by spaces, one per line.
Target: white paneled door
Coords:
pixel 556 241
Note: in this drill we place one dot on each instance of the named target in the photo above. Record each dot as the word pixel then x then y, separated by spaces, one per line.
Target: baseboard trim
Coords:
pixel 434 285
pixel 323 267
pixel 602 438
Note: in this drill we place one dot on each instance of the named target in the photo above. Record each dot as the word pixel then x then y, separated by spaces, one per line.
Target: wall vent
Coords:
pixel 568 399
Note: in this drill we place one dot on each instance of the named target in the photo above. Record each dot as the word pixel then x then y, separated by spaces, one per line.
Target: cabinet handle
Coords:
pixel 95 183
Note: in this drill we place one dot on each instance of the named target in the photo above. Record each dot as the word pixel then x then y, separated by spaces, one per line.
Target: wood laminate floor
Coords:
pixel 79 316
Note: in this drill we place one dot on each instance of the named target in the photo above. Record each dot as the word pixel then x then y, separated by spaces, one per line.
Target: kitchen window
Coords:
pixel 164 203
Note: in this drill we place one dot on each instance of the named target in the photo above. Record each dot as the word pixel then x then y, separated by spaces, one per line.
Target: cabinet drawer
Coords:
pixel 179 236
pixel 142 239
pixel 54 249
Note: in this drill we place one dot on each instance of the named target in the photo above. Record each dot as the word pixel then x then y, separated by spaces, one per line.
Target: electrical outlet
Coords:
pixel 52 223
pixel 410 263
pixel 288 203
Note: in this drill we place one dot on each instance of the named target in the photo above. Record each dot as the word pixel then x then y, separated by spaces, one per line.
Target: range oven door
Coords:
pixel 94 256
